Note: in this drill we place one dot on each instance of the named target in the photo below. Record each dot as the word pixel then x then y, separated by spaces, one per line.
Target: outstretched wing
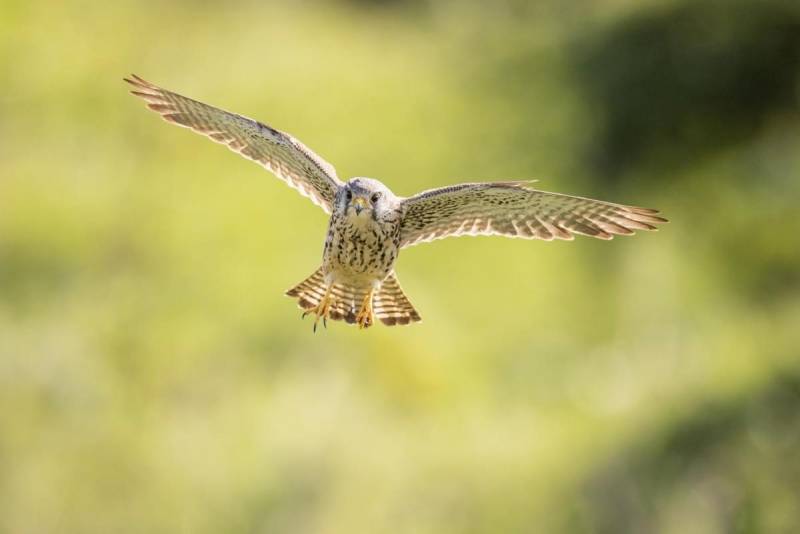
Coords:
pixel 510 209
pixel 279 152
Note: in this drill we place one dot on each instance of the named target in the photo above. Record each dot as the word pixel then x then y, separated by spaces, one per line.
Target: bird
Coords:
pixel 369 224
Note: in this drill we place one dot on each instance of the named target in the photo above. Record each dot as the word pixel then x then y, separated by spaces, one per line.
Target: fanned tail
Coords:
pixel 392 306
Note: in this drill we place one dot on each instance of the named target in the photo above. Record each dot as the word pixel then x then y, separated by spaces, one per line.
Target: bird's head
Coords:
pixel 365 199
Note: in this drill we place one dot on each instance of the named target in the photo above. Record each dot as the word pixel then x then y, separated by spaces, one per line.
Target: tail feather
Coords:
pixel 347 299
pixel 390 304
pixel 310 291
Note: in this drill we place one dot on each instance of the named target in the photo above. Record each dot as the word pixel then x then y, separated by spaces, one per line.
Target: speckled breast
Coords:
pixel 360 253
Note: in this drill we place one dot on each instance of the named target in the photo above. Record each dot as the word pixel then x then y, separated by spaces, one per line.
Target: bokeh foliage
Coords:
pixel 153 378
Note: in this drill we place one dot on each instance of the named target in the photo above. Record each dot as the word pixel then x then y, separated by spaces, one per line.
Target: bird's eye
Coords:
pixel 349 195
pixel 375 197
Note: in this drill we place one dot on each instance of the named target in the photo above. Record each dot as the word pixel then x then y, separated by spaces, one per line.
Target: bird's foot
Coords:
pixel 321 310
pixel 365 316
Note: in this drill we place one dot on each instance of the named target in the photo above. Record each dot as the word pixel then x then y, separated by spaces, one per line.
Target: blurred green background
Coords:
pixel 154 379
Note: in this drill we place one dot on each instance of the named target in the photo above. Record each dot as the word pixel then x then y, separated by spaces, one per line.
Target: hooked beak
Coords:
pixel 359 203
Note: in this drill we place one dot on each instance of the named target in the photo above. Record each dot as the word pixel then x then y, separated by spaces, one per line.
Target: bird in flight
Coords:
pixel 369 224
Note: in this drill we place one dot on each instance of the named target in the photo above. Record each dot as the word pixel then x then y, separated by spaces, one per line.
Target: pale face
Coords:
pixel 364 199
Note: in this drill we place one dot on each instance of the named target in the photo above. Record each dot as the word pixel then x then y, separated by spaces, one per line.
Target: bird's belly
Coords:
pixel 360 259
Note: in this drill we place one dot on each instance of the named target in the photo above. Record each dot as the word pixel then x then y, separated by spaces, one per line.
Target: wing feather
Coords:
pixel 279 152
pixel 513 210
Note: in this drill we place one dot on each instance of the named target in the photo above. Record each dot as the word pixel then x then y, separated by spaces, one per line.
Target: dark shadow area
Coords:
pixel 668 86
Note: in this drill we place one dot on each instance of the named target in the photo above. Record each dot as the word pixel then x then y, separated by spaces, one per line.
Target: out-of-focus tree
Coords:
pixel 669 85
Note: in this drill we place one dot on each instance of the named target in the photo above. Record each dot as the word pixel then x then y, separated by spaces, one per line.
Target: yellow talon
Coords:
pixel 365 316
pixel 321 310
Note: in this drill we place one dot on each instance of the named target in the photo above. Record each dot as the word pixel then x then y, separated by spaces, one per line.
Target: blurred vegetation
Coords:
pixel 732 465
pixel 153 378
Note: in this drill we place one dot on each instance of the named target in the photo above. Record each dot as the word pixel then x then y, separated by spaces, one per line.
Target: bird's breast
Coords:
pixel 360 254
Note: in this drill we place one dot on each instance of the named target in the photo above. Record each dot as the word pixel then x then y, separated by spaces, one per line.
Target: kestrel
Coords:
pixel 369 224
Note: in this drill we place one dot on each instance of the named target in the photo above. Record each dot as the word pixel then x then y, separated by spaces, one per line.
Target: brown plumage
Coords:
pixel 513 209
pixel 391 305
pixel 369 224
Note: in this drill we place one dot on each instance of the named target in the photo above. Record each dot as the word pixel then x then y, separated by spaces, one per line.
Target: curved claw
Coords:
pixel 320 311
